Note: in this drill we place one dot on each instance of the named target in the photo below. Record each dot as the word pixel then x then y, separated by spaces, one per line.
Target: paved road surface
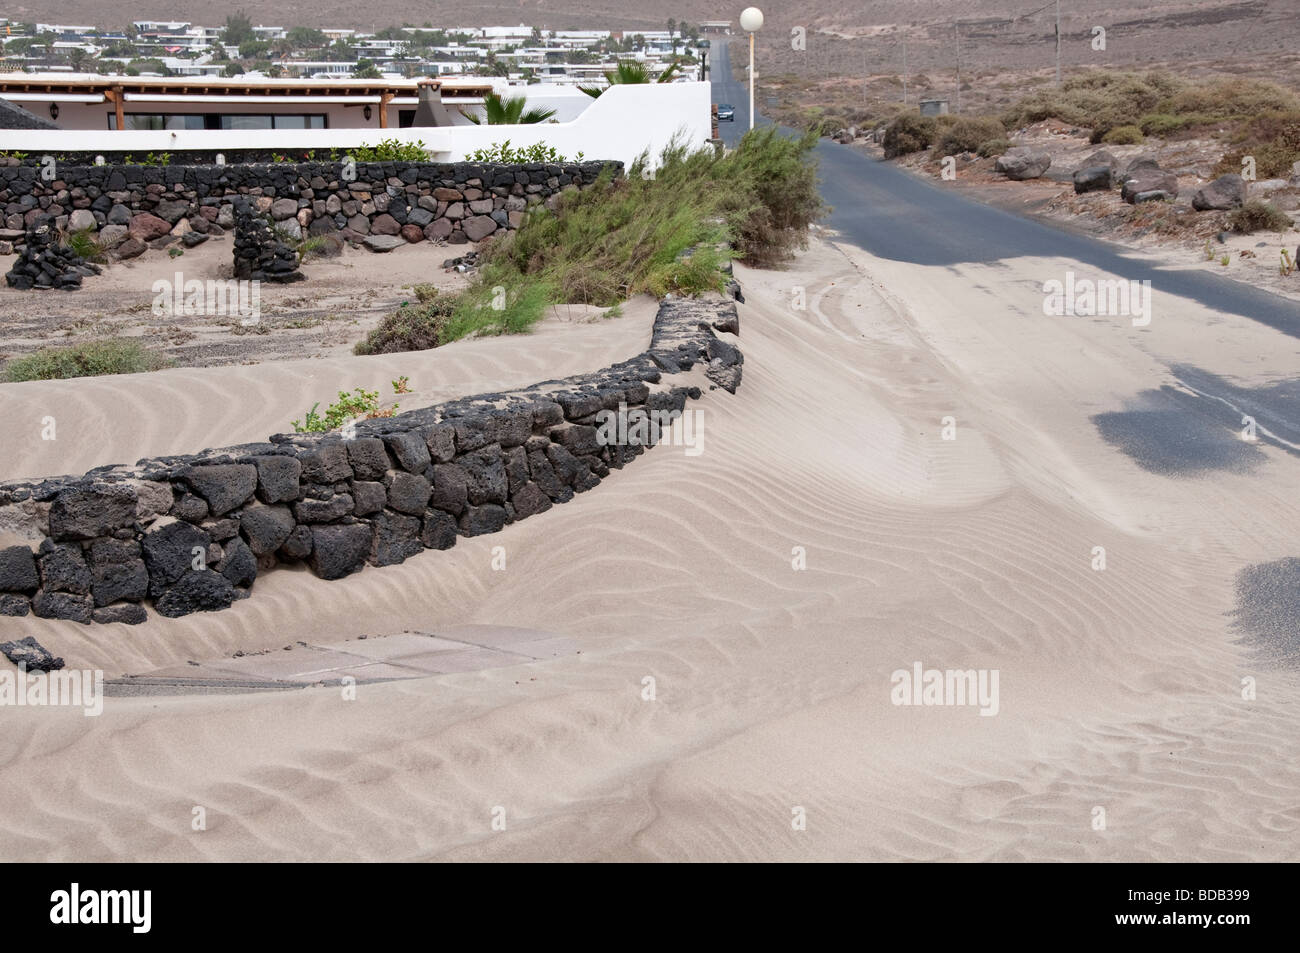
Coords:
pixel 898 216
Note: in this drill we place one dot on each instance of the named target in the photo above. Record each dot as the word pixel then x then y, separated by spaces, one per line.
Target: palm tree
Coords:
pixel 630 73
pixel 508 112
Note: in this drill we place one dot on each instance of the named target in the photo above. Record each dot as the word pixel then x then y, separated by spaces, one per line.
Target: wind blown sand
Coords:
pixel 1119 689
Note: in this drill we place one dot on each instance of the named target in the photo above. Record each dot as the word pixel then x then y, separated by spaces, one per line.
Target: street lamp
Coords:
pixel 751 21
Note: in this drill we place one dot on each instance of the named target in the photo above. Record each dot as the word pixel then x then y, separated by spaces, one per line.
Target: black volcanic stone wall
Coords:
pixel 191 533
pixel 414 201
pixel 259 253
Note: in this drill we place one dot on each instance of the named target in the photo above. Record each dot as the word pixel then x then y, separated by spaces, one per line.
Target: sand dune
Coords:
pixel 123 418
pixel 1120 689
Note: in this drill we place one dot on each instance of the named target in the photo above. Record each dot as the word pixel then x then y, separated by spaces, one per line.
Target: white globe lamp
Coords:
pixel 751 21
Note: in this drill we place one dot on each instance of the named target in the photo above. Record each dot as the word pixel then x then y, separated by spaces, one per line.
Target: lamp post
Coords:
pixel 751 21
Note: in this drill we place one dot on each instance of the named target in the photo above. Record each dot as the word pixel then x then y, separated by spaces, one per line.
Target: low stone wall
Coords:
pixel 191 533
pixel 412 201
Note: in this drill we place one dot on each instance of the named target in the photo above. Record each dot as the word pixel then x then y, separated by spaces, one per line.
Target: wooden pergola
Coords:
pixel 115 90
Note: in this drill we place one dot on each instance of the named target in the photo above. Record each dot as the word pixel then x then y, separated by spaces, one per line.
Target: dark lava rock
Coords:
pixel 338 551
pixel 117 571
pixel 202 590
pixel 265 527
pixel 439 531
pixel 63 605
pixel 88 512
pixel 396 536
pixel 170 552
pixel 29 653
pixel 224 486
pixel 480 520
pixel 18 570
pixel 63 568
pixel 126 613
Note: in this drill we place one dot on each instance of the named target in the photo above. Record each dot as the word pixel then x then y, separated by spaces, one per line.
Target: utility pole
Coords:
pixel 1058 42
pixel 956 29
pixel 904 69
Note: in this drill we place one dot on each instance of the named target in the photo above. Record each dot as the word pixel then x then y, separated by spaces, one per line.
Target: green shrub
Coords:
pixel 412 327
pixel 511 306
pixel 966 134
pixel 87 359
pixel 503 153
pixel 662 228
pixel 1166 124
pixel 1257 216
pixel 391 150
pixel 84 244
pixel 1123 136
pixel 360 403
pixel 1272 139
pixel 908 133
pixel 994 147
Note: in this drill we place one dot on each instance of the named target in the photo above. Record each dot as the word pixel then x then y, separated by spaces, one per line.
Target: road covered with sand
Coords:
pixel 920 467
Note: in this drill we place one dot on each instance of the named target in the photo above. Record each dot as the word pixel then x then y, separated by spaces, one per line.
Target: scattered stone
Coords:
pixel 30 654
pixel 1225 192
pixel 383 243
pixel 1021 162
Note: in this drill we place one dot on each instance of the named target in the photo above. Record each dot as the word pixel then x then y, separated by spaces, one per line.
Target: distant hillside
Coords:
pixel 844 36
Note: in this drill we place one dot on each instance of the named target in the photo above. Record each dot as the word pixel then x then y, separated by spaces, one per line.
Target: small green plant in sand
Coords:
pixel 87 359
pixel 360 403
pixel 402 385
pixel 83 244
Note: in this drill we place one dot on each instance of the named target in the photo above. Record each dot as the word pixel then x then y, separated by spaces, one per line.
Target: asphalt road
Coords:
pixel 897 215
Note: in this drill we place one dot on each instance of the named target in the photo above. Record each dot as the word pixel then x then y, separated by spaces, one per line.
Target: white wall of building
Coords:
pixel 621 124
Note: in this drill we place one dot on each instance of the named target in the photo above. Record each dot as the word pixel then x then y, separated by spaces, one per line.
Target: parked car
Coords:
pixel 726 112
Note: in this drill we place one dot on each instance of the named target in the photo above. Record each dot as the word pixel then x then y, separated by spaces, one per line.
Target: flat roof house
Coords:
pixel 120 102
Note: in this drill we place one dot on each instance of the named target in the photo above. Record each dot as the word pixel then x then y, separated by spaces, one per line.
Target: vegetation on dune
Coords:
pixel 1272 139
pixel 1257 216
pixel 667 227
pixel 1123 136
pixel 87 359
pixel 909 132
pixel 967 135
pixel 1156 103
pixel 84 244
pixel 414 326
pixel 359 404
